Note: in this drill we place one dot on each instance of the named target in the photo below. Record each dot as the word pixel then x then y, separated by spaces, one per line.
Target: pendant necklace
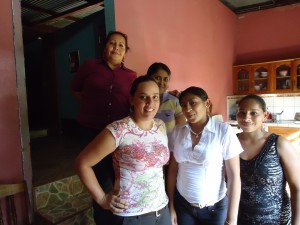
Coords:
pixel 194 133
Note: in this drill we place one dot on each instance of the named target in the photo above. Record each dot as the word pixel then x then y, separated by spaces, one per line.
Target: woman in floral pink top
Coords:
pixel 140 149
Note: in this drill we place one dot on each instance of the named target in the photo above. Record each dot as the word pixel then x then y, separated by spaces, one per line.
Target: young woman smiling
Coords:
pixel 139 146
pixel 202 150
pixel 268 163
pixel 102 87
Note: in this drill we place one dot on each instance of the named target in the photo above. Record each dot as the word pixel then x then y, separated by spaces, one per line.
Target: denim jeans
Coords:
pixel 209 215
pixel 162 219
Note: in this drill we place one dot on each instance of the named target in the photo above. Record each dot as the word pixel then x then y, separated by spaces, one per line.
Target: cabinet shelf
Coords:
pixel 261 78
pixel 283 77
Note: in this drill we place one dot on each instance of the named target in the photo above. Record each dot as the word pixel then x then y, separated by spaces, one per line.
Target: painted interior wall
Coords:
pixel 10 147
pixel 268 35
pixel 10 120
pixel 194 38
pixel 83 37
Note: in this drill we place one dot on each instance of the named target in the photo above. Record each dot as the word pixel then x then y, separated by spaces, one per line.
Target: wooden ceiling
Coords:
pixel 40 17
pixel 47 16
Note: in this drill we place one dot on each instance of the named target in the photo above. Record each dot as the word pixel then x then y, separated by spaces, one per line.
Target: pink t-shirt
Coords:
pixel 138 162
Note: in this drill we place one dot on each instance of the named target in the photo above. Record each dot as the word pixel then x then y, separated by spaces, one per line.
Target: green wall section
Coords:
pixel 83 37
pixel 109 15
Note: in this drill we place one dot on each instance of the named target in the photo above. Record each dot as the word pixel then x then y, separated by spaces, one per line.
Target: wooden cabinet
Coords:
pixel 269 77
pixel 255 78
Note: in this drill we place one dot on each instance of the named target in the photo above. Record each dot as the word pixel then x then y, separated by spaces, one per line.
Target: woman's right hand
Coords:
pixel 175 93
pixel 114 202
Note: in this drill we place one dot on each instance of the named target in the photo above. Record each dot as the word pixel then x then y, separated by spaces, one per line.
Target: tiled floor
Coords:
pixel 63 202
pixel 53 158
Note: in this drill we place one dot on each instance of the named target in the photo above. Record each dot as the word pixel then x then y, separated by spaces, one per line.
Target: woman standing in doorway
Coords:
pixel 102 87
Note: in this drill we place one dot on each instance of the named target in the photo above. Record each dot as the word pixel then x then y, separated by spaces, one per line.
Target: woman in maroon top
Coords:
pixel 102 87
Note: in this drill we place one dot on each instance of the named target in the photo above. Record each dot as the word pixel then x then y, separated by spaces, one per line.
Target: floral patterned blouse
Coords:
pixel 138 161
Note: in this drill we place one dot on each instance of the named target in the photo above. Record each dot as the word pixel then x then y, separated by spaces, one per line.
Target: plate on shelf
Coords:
pixel 263 74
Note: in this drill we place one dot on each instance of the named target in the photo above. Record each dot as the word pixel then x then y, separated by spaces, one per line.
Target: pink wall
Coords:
pixel 10 146
pixel 194 38
pixel 268 35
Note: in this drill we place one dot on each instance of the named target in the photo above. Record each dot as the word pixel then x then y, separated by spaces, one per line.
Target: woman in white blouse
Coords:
pixel 203 151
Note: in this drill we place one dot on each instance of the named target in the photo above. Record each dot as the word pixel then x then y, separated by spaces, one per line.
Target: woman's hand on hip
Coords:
pixel 115 202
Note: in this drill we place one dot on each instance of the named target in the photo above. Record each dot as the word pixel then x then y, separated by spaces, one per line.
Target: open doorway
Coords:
pixel 51 109
pixel 52 150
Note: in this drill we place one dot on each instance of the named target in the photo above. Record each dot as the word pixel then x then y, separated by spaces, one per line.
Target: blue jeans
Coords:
pixel 146 219
pixel 190 215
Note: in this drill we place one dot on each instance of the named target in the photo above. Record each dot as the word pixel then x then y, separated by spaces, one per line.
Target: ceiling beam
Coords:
pixel 68 14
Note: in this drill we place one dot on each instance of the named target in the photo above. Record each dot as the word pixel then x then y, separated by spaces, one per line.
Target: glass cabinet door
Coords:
pixel 297 75
pixel 243 76
pixel 261 78
pixel 283 80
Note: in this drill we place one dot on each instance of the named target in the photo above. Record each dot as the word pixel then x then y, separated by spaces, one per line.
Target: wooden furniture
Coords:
pixel 267 77
pixel 8 192
pixel 290 133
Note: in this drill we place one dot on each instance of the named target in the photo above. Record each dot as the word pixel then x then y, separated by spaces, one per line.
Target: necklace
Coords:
pixel 194 133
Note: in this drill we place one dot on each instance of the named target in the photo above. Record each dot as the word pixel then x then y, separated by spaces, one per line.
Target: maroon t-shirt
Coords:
pixel 105 93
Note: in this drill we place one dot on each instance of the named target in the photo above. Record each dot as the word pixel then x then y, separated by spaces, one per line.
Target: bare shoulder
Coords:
pixel 285 147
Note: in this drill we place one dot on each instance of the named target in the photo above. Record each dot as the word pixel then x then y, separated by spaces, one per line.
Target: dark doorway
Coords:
pixel 54 136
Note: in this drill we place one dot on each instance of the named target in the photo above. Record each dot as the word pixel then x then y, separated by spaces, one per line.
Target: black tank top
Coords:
pixel 264 199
